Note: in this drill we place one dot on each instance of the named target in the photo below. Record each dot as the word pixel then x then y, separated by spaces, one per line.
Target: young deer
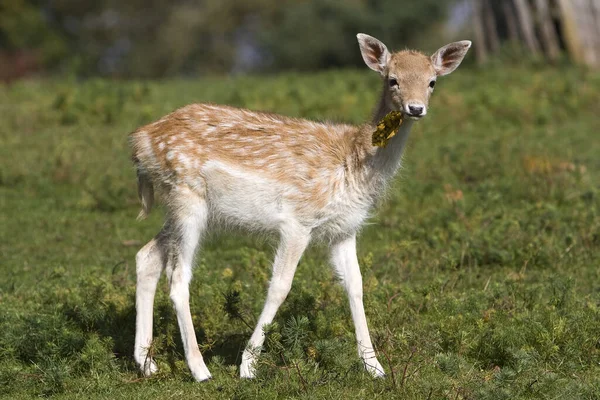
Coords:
pixel 222 166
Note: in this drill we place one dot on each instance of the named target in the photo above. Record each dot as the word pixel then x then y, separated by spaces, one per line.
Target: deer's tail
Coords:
pixel 145 192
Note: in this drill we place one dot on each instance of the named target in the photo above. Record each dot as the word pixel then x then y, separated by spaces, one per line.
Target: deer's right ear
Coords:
pixel 375 54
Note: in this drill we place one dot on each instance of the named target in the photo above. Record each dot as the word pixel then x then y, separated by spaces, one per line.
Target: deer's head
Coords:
pixel 409 76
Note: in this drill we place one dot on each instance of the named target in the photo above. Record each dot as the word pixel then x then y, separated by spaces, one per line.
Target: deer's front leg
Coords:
pixel 294 239
pixel 345 262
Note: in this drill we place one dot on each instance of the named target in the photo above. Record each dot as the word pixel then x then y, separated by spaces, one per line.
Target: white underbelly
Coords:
pixel 244 199
pixel 247 200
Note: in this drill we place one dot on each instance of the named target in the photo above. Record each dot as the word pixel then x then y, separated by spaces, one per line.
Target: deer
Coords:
pixel 216 166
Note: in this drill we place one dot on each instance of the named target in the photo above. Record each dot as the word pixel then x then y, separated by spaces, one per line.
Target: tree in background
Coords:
pixel 310 35
pixel 153 38
pixel 543 27
pixel 27 42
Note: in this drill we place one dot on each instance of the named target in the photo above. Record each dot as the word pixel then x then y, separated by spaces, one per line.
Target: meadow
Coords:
pixel 481 267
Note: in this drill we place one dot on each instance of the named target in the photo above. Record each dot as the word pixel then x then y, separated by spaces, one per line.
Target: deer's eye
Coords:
pixel 432 84
pixel 393 82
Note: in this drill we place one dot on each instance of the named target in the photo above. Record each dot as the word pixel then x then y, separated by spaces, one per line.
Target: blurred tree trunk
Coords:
pixel 589 31
pixel 543 27
pixel 491 30
pixel 580 29
pixel 478 31
pixel 548 33
pixel 596 36
pixel 526 24
pixel 511 21
pixel 569 30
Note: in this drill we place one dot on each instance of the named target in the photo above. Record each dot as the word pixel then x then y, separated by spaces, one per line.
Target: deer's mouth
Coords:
pixel 414 117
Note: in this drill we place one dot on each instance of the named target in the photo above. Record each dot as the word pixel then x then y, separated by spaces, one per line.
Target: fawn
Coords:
pixel 217 166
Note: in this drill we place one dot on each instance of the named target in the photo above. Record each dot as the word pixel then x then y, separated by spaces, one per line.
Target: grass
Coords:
pixel 481 268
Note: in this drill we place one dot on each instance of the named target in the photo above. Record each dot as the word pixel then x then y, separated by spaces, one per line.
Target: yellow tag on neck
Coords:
pixel 387 128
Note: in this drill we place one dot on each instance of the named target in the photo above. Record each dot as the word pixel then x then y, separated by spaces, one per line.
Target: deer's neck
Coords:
pixel 382 163
pixel 382 108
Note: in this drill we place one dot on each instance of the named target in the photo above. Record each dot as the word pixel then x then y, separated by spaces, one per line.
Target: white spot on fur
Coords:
pixel 184 160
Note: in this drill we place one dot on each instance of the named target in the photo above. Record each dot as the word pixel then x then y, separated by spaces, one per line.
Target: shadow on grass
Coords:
pixel 113 320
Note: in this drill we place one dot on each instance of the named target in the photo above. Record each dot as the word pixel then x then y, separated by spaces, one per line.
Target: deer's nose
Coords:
pixel 415 109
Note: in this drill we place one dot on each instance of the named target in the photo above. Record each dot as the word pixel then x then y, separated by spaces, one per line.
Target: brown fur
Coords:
pixel 293 151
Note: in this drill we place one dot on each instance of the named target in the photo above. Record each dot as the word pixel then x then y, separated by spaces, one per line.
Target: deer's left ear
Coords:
pixel 449 57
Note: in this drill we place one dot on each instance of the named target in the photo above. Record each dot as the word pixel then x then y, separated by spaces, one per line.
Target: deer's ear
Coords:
pixel 375 54
pixel 449 57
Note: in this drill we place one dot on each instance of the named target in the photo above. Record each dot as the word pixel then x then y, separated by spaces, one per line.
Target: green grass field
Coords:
pixel 481 268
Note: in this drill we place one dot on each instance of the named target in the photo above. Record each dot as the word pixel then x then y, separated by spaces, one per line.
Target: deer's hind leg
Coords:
pixel 188 220
pixel 150 262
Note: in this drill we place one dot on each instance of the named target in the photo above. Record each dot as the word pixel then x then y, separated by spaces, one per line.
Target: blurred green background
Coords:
pixel 165 38
pixel 152 39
